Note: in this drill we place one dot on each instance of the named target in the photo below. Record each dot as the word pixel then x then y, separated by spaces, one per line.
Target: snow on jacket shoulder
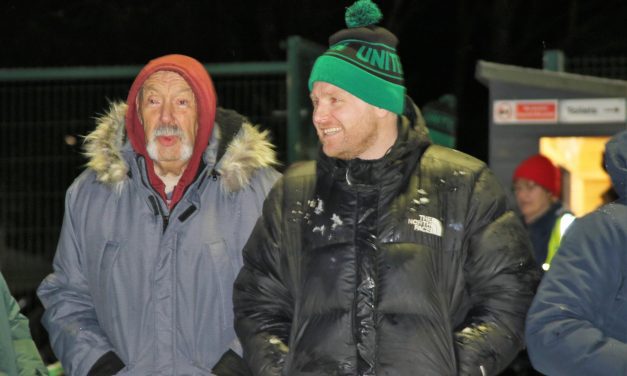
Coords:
pixel 151 285
pixel 414 264
pixel 577 324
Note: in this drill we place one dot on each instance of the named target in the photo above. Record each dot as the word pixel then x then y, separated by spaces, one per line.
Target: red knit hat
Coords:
pixel 542 171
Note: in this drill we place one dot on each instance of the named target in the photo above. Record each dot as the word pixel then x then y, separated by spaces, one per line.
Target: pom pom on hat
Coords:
pixel 542 171
pixel 362 13
pixel 362 60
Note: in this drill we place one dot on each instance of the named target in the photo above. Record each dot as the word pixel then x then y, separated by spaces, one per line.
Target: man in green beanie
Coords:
pixel 387 255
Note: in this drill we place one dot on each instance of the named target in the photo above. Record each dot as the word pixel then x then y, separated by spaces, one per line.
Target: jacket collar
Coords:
pixel 236 149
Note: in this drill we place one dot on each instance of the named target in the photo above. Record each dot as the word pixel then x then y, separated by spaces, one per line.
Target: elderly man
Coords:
pixel 387 255
pixel 153 230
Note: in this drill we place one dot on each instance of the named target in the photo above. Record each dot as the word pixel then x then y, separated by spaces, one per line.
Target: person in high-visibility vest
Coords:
pixel 537 187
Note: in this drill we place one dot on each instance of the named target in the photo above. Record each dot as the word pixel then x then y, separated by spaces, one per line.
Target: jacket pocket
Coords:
pixel 224 274
pixel 105 290
pixel 109 254
pixel 206 276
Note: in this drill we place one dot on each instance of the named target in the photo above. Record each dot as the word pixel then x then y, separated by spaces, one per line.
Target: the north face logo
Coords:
pixel 426 224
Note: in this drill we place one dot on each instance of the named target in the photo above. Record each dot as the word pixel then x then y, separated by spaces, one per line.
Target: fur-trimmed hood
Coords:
pixel 236 149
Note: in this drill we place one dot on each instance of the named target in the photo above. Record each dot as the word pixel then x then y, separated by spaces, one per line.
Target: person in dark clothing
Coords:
pixel 577 324
pixel 387 255
pixel 537 187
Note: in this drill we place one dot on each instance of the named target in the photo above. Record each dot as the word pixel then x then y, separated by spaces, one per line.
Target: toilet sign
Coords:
pixel 566 111
pixel 594 110
pixel 525 111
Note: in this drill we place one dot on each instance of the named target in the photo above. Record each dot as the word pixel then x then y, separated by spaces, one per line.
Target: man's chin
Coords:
pixel 169 155
pixel 172 158
pixel 343 155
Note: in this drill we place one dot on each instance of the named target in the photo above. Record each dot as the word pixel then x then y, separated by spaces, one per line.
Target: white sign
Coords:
pixel 525 111
pixel 601 110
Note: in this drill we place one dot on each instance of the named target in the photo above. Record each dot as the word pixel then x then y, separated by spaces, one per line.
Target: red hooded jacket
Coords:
pixel 199 80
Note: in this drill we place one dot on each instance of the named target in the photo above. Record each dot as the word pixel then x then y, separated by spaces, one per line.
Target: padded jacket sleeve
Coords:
pixel 581 302
pixel 262 300
pixel 27 359
pixel 500 281
pixel 70 317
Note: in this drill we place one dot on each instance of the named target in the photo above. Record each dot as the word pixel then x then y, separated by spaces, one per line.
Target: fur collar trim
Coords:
pixel 243 150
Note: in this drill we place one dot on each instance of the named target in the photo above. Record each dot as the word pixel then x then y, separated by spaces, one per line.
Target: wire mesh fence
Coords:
pixel 43 117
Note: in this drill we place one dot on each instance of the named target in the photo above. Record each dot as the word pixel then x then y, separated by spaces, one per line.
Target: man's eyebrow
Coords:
pixel 185 89
pixel 148 88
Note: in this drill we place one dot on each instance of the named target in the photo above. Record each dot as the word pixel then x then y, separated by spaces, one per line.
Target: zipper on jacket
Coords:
pixel 166 221
pixel 156 208
pixel 154 203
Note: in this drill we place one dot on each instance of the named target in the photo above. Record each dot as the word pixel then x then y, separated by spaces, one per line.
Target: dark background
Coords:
pixel 440 40
pixel 440 43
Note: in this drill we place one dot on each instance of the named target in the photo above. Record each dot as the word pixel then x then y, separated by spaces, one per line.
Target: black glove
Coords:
pixel 108 364
pixel 231 364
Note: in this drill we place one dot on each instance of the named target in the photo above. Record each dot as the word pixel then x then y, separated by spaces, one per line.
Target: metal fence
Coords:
pixel 608 67
pixel 613 67
pixel 43 115
pixel 45 112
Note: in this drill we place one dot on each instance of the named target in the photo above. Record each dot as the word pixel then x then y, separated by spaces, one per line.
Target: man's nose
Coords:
pixel 166 114
pixel 320 114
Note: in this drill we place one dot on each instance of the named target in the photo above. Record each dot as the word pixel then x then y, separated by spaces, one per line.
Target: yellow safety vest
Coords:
pixel 557 232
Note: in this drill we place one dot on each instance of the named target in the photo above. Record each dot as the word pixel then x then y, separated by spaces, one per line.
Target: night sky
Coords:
pixel 440 40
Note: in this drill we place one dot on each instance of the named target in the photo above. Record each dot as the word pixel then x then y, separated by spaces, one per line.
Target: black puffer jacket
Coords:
pixel 413 264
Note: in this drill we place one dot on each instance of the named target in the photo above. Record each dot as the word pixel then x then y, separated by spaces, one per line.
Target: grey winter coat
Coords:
pixel 154 286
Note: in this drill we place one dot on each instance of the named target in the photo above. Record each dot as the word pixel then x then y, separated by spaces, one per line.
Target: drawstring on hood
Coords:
pixel 198 79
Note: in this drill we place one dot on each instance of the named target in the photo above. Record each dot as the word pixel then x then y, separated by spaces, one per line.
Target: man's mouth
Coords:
pixel 167 140
pixel 331 131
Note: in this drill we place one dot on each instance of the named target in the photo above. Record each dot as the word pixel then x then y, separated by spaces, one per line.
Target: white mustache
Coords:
pixel 168 130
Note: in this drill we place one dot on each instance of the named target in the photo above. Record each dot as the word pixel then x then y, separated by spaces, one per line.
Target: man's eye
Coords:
pixel 153 101
pixel 183 102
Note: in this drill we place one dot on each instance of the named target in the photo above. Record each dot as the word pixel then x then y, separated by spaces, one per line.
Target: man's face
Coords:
pixel 167 108
pixel 533 200
pixel 346 125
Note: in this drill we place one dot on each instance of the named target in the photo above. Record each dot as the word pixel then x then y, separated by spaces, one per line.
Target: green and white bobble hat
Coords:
pixel 363 60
